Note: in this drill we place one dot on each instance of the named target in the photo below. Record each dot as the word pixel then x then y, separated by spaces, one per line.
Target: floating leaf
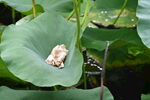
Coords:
pixel 143 27
pixel 76 94
pixel 122 56
pixel 95 38
pixel 107 17
pixel 25 47
pixel 105 13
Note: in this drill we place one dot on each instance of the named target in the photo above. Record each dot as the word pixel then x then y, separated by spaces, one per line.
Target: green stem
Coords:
pixel 71 14
pixel 34 9
pixel 103 70
pixel 85 13
pixel 73 11
pixel 77 12
pixel 79 3
pixel 121 11
pixel 78 23
pixel 13 15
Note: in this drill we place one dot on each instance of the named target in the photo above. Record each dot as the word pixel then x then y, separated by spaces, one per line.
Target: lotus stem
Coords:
pixel 103 70
pixel 13 15
pixel 73 11
pixel 79 5
pixel 71 14
pixel 85 13
pixel 77 12
pixel 121 11
pixel 34 9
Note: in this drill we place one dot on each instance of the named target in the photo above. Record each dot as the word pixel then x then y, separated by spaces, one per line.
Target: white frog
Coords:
pixel 57 56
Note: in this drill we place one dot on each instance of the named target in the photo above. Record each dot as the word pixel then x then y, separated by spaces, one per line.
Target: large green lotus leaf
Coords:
pixel 75 94
pixel 95 38
pixel 25 47
pixel 143 27
pixel 26 5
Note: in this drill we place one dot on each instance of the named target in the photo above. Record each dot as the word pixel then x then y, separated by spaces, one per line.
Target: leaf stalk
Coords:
pixel 34 9
pixel 103 70
pixel 77 12
pixel 85 13
pixel 121 11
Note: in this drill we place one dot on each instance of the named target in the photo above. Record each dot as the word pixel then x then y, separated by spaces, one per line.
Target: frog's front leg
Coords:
pixel 61 65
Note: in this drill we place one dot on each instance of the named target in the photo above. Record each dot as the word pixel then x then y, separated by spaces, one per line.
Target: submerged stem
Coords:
pixel 34 9
pixel 103 70
pixel 13 15
pixel 121 11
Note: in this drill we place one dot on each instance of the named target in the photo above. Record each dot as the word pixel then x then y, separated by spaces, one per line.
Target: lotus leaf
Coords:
pixel 25 47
